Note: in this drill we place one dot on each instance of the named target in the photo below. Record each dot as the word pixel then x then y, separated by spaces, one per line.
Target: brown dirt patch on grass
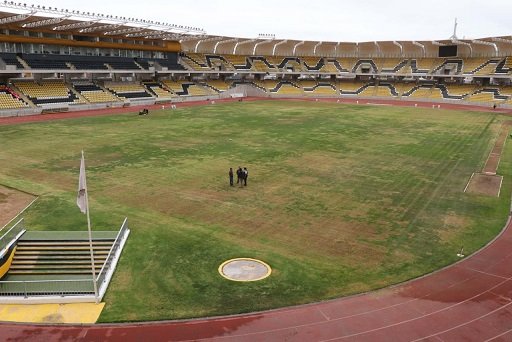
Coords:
pixel 11 203
pixel 453 224
pixel 483 184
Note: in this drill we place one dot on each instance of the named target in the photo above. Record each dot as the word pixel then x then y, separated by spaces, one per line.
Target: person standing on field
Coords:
pixel 239 175
pixel 246 174
pixel 231 176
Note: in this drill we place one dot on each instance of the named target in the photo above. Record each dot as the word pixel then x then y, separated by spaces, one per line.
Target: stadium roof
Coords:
pixel 22 16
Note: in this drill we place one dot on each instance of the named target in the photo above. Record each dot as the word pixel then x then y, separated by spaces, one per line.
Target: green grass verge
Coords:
pixel 340 199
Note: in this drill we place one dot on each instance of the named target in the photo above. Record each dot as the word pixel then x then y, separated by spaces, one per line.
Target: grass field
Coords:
pixel 340 199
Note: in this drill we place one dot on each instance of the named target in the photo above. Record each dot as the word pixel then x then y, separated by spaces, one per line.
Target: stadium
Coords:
pixel 375 203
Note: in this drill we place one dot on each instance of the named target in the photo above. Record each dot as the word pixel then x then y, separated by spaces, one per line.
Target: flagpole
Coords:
pixel 90 235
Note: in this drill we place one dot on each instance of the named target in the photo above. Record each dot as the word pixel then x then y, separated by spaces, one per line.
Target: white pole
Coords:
pixel 90 236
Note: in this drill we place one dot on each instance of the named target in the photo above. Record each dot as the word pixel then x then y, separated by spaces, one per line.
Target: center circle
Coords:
pixel 244 269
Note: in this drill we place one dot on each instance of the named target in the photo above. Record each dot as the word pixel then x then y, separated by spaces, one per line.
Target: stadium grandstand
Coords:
pixel 61 60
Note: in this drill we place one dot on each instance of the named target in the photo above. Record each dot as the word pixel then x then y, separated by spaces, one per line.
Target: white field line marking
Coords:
pixel 433 313
pixel 467 185
pixel 377 104
pixel 486 273
pixel 463 324
pixel 498 336
pixel 501 182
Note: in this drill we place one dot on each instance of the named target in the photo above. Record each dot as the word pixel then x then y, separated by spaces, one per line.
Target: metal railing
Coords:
pixel 10 235
pixel 110 260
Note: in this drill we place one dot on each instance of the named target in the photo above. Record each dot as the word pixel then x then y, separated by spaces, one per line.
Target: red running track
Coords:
pixel 468 301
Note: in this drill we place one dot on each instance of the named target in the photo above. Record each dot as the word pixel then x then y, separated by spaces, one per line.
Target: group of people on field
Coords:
pixel 241 176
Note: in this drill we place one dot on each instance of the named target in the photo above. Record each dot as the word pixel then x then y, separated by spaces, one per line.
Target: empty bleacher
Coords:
pixel 187 88
pixel 239 62
pixel 47 92
pixel 128 90
pixel 459 91
pixel 419 91
pixel 287 88
pixel 9 100
pixel 504 66
pixel 352 87
pixel 123 65
pixel 218 85
pixel 44 61
pixel 11 59
pixel 320 88
pixel 195 61
pixel 158 90
pixel 93 93
pixel 315 64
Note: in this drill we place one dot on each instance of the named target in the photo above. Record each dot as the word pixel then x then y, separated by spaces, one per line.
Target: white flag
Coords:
pixel 80 199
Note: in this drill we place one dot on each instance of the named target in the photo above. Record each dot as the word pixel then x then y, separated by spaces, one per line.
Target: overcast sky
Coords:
pixel 325 20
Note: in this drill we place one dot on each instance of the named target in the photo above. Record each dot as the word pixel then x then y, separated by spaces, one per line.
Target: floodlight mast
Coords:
pixel 454 35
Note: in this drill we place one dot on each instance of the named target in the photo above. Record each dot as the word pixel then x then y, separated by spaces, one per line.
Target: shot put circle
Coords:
pixel 244 269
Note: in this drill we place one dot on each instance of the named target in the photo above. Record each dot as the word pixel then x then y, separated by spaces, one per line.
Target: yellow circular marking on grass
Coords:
pixel 244 269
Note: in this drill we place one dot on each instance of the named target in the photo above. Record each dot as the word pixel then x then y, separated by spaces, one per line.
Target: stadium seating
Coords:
pixel 9 100
pixel 472 65
pixel 186 88
pixel 332 65
pixel 88 64
pixel 218 85
pixel 294 85
pixel 419 91
pixel 157 90
pixel 196 61
pixel 128 90
pixel 260 63
pixel 11 59
pixel 93 93
pixel 44 62
pixel 320 88
pixel 47 92
pixel 422 65
pixel 123 65
pixel 238 62
pixel 393 65
pixel 459 91
pixel 488 94
pixel 345 64
pixel 287 88
pixel 385 90
pixel 352 87
pixel 315 64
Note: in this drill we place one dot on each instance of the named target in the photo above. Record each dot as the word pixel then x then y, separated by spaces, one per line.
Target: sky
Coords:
pixel 327 20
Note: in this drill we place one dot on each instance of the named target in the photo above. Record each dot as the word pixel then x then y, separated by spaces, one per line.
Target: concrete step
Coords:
pixel 52 267
pixel 64 243
pixel 55 262
pixel 64 252
pixel 33 258
pixel 60 248
pixel 59 272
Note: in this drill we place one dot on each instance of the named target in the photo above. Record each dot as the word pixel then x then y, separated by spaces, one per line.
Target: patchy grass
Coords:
pixel 340 199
